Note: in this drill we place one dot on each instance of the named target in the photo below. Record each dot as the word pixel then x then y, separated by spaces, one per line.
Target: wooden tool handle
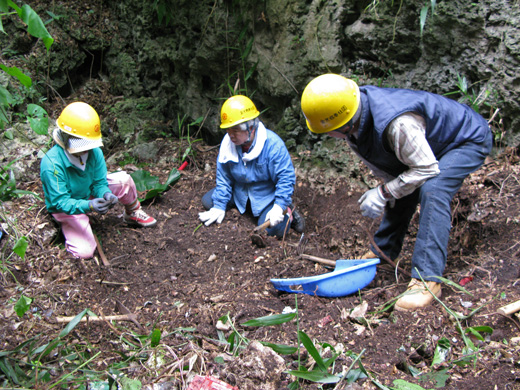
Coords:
pixel 266 224
pixel 318 259
pixel 509 309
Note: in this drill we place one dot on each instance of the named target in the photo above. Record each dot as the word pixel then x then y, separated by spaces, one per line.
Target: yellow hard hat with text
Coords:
pixel 237 109
pixel 329 101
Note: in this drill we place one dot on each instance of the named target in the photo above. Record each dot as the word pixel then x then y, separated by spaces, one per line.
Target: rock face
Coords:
pixel 184 57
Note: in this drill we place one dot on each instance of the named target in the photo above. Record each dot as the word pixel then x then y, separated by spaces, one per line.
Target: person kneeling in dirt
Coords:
pixel 75 181
pixel 422 145
pixel 254 172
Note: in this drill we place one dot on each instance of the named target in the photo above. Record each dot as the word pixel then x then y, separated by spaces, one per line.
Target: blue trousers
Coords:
pixel 434 196
pixel 278 230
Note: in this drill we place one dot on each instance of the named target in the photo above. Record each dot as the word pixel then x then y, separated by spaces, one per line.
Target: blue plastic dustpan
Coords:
pixel 348 277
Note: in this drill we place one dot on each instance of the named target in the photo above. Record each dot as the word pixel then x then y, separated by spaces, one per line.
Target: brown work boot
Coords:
pixel 369 255
pixel 417 296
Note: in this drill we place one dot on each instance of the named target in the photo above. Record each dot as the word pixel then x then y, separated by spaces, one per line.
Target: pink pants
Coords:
pixel 79 237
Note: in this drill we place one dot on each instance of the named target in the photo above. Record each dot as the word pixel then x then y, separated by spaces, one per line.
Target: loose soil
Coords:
pixel 181 277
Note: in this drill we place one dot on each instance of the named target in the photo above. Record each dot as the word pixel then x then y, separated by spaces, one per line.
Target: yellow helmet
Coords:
pixel 80 120
pixel 237 109
pixel 329 101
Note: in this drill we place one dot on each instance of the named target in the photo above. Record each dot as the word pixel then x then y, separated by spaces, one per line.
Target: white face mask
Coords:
pixel 79 160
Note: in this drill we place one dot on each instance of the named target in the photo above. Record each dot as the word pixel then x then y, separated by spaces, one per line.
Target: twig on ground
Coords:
pixel 385 257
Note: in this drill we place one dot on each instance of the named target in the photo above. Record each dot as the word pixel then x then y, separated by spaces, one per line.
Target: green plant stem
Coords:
pixel 358 357
pixel 467 342
pixel 297 328
pixel 73 371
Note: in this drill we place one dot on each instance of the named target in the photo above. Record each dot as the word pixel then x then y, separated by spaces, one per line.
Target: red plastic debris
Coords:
pixel 209 383
pixel 465 280
pixel 325 321
pixel 183 165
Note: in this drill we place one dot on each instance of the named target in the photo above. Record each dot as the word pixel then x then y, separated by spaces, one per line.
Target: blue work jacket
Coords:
pixel 67 188
pixel 268 177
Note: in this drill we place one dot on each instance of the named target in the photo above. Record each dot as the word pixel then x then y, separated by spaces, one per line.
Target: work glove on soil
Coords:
pixel 372 203
pixel 99 205
pixel 275 215
pixel 111 199
pixel 212 215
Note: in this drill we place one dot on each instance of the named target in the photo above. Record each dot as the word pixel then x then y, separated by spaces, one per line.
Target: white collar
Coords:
pixel 78 161
pixel 228 150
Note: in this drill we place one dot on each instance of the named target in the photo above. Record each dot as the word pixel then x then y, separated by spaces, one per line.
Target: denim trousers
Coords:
pixel 278 230
pixel 434 197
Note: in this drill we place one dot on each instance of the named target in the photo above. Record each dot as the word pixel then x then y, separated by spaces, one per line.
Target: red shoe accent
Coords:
pixel 140 218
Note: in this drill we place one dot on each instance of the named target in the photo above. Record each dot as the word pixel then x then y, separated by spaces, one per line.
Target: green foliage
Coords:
pixel 35 27
pixel 38 119
pixel 276 319
pixel 23 304
pixel 165 11
pixel 243 49
pixel 189 151
pixel 8 188
pixel 424 13
pixel 73 364
pixel 151 185
pixel 401 384
pixel 29 364
pixel 319 373
pixel 21 246
pixel 468 96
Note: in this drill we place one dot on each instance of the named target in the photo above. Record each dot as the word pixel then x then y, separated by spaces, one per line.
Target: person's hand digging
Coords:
pixel 111 199
pixel 99 205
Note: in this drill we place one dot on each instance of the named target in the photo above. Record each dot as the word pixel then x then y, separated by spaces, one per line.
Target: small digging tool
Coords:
pixel 256 237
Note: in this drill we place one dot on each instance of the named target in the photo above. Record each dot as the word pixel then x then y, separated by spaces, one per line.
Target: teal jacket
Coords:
pixel 68 189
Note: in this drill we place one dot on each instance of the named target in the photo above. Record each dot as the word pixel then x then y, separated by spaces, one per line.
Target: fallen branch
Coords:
pixel 510 308
pixel 118 317
pixel 318 259
pixel 101 253
pixel 385 257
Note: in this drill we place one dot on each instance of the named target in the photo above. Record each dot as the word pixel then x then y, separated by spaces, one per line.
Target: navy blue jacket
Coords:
pixel 449 124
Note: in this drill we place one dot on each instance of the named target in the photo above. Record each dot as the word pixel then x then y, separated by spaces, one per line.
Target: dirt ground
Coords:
pixel 180 275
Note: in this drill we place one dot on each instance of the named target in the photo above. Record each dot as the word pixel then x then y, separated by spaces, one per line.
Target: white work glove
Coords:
pixel 372 203
pixel 212 215
pixel 275 215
